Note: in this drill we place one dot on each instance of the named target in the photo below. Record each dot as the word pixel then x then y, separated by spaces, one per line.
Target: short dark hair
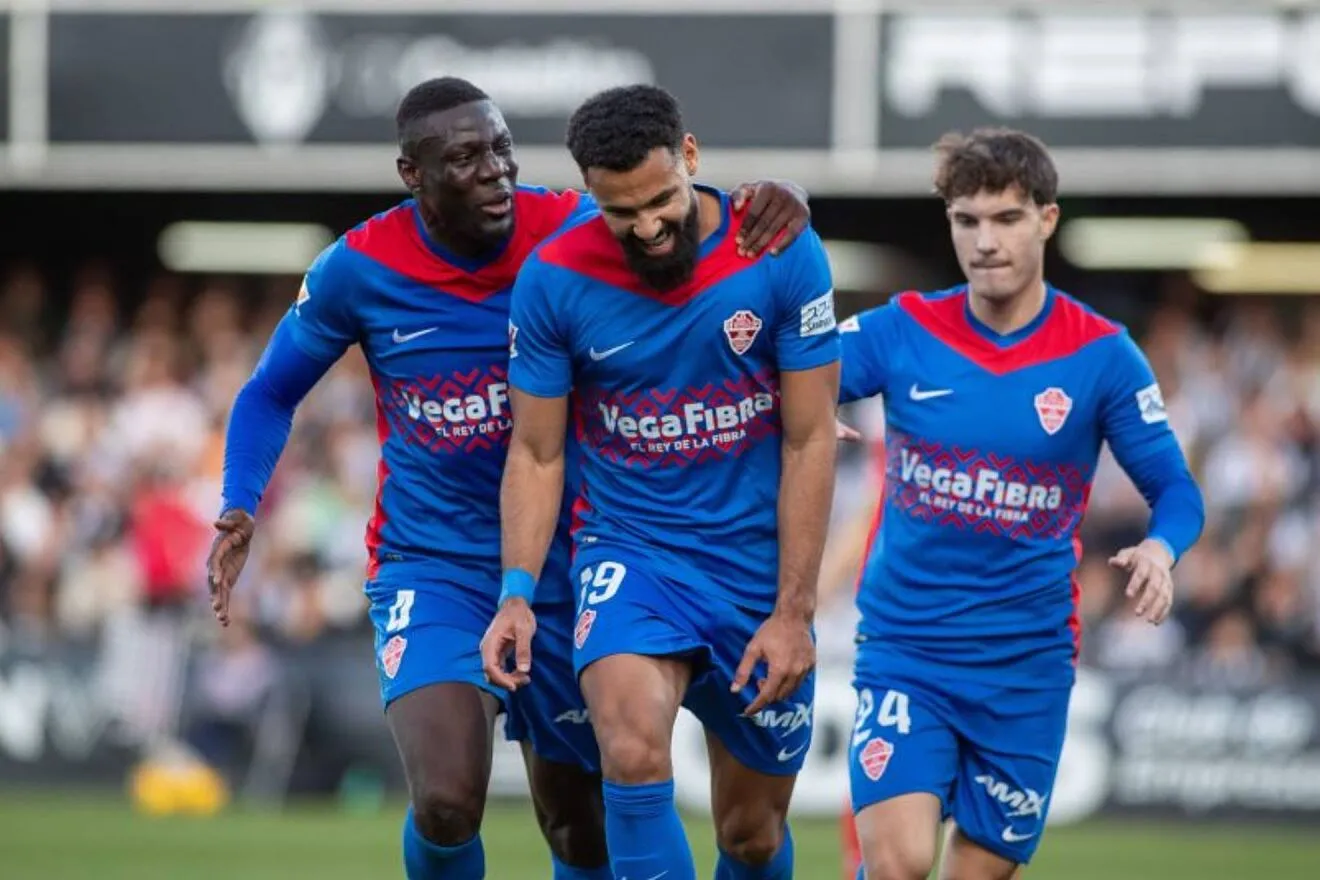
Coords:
pixel 618 128
pixel 434 96
pixel 995 159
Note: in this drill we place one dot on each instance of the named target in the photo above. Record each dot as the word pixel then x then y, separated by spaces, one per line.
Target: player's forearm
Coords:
pixel 806 491
pixel 1177 515
pixel 530 495
pixel 262 415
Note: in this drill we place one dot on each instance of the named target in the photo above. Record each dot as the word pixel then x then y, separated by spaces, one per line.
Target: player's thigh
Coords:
pixel 775 740
pixel 965 859
pixel 569 809
pixel 1010 758
pixel 903 759
pixel 444 734
pixel 633 654
pixel 749 807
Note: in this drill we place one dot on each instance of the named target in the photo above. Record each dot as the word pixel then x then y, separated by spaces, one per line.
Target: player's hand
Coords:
pixel 1151 570
pixel 784 642
pixel 229 553
pixel 510 632
pixel 846 433
pixel 777 216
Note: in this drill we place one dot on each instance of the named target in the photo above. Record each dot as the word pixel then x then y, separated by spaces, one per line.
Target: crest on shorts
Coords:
pixel 874 757
pixel 1053 406
pixel 741 328
pixel 391 655
pixel 583 628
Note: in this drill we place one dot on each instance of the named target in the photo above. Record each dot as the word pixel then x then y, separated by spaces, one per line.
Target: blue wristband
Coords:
pixel 518 584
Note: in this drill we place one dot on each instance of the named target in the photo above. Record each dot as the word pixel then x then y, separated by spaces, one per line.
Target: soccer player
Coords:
pixel 424 290
pixel 703 386
pixel 998 395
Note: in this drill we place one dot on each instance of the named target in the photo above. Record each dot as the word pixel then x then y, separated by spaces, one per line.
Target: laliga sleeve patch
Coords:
pixel 1150 402
pixel 818 315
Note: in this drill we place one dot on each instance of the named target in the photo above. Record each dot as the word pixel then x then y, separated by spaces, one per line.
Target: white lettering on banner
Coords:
pixel 1136 66
pixel 483 413
pixel 985 494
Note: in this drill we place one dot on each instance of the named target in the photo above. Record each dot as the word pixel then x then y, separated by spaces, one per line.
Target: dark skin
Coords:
pixel 460 166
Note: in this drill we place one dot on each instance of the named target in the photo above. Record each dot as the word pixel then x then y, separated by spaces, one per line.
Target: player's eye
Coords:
pixel 504 146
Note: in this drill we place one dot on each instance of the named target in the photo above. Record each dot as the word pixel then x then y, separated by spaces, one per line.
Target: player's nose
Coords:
pixel 647 227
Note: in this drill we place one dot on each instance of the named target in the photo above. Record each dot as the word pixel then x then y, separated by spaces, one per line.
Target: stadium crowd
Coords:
pixel 111 448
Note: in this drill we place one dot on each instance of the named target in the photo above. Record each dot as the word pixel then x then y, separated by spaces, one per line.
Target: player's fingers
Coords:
pixel 769 223
pixel 1143 584
pixel 752 229
pixel 1140 576
pixel 1122 558
pixel 846 433
pixel 767 693
pixel 744 671
pixel 522 652
pixel 740 196
pixel 795 226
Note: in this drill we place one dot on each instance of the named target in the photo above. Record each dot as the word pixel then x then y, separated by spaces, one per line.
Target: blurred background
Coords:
pixel 169 169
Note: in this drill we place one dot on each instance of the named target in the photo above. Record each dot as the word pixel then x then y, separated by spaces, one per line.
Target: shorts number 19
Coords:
pixel 599 584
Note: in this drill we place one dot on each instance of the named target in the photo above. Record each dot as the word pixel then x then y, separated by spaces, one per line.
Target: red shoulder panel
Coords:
pixel 592 250
pixel 1067 329
pixel 393 240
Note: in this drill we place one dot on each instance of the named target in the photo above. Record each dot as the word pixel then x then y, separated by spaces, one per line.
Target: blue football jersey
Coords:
pixel 991 446
pixel 435 331
pixel 676 395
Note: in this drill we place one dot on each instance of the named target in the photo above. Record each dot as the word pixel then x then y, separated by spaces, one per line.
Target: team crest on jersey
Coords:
pixel 874 757
pixel 1053 406
pixel 391 655
pixel 741 328
pixel 583 628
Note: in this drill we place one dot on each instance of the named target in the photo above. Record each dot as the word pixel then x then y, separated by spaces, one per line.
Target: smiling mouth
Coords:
pixel 661 244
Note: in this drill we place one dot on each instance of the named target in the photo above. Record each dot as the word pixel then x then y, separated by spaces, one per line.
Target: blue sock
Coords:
pixel 568 872
pixel 644 834
pixel 424 860
pixel 778 868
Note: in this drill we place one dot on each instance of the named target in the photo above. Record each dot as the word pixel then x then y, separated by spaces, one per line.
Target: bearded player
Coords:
pixel 998 396
pixel 703 386
pixel 423 289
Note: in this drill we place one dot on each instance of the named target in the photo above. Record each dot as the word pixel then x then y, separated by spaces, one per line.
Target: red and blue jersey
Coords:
pixel 991 447
pixel 676 394
pixel 434 329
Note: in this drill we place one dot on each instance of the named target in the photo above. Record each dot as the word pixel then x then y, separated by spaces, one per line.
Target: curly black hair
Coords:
pixel 618 128
pixel 433 96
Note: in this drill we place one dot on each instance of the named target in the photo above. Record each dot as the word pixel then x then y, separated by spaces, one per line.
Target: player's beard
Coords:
pixel 674 269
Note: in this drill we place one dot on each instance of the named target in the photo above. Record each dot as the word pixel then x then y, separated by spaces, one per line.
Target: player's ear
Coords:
pixel 691 154
pixel 409 173
pixel 1049 220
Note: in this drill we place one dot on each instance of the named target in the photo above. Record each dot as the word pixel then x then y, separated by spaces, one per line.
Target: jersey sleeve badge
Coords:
pixel 818 315
pixel 1150 402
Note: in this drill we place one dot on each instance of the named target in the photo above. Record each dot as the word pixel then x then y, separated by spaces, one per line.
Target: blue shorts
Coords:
pixel 630 604
pixel 989 754
pixel 430 632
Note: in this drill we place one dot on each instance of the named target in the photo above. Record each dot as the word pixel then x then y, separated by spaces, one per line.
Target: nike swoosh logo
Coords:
pixel 1011 836
pixel 786 755
pixel 400 338
pixel 917 394
pixel 601 355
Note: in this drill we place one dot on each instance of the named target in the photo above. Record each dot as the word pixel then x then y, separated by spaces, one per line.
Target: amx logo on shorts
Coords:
pixel 461 412
pixel 657 426
pixel 1019 804
pixel 787 722
pixel 985 492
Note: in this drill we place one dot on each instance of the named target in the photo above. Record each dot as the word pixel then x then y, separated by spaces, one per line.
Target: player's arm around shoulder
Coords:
pixel 540 376
pixel 1135 423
